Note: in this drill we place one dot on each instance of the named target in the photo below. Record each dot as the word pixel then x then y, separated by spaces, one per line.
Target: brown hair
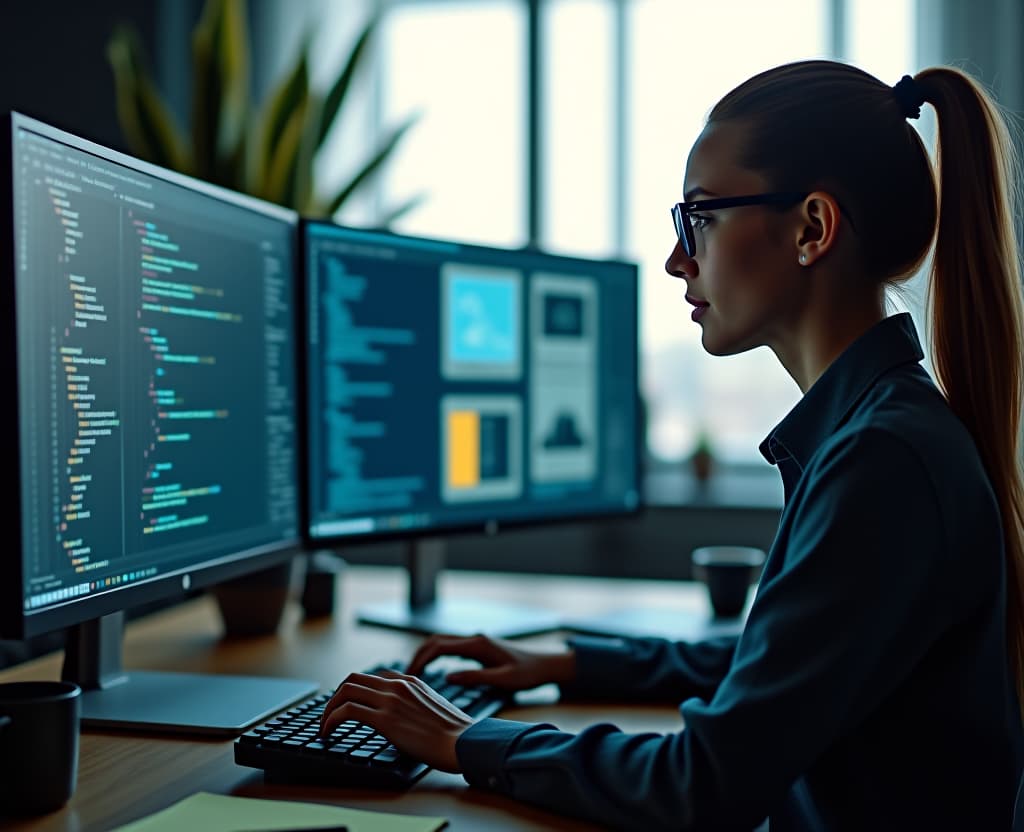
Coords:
pixel 829 126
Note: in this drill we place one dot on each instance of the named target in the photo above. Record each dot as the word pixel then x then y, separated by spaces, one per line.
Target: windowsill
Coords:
pixel 736 487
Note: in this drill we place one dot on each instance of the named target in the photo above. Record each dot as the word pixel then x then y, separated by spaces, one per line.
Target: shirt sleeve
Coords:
pixel 829 636
pixel 649 669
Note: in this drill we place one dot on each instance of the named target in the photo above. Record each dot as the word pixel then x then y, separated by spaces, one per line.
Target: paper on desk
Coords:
pixel 205 812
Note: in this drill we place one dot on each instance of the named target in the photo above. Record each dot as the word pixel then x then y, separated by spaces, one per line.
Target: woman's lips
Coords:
pixel 700 307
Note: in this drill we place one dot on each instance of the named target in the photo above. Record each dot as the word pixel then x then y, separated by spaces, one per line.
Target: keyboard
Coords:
pixel 285 747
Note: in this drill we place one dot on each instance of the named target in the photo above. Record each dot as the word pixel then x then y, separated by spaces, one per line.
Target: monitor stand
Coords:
pixel 425 613
pixel 180 703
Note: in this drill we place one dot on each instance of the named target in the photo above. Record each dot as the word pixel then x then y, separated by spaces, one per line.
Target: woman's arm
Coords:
pixel 650 669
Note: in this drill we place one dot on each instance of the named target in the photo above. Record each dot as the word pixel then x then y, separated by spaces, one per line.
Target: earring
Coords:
pixel 803 259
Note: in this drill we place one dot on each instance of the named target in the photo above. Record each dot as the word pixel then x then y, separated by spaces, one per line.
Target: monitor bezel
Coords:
pixel 491 526
pixel 15 623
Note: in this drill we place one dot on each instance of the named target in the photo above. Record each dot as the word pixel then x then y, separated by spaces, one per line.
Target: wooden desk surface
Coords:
pixel 124 777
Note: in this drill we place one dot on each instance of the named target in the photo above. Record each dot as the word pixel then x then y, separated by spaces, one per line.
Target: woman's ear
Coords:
pixel 820 217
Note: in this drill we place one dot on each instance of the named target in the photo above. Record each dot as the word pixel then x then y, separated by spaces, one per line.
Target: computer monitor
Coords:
pixel 149 339
pixel 456 387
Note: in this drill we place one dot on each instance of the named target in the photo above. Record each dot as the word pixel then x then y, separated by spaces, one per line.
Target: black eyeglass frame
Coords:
pixel 684 226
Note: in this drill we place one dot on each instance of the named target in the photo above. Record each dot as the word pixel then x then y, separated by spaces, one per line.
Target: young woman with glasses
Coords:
pixel 878 681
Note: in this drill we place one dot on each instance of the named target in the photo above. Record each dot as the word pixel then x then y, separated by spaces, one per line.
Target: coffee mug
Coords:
pixel 728 572
pixel 38 745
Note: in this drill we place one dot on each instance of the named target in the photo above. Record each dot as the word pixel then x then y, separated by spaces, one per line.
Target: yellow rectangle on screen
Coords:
pixel 463 448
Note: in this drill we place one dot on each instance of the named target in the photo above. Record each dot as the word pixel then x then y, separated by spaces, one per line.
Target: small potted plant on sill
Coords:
pixel 702 458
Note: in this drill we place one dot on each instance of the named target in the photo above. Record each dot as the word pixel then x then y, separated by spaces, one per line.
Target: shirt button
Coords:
pixel 492 781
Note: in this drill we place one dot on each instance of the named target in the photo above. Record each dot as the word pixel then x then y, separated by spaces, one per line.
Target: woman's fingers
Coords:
pixel 414 688
pixel 411 714
pixel 379 694
pixel 359 688
pixel 431 649
pixel 478 647
pixel 343 713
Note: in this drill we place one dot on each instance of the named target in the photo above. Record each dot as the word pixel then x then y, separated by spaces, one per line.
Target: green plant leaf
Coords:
pixel 220 91
pixel 205 104
pixel 281 171
pixel 370 167
pixel 403 208
pixel 145 119
pixel 269 153
pixel 298 191
pixel 336 95
pixel 290 96
pixel 233 51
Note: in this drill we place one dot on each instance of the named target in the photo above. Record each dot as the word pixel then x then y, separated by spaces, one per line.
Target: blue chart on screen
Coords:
pixel 484 321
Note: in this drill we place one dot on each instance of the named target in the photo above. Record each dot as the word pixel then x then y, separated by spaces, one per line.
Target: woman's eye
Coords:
pixel 699 222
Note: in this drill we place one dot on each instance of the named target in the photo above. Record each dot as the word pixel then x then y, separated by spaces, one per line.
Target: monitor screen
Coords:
pixel 150 325
pixel 460 387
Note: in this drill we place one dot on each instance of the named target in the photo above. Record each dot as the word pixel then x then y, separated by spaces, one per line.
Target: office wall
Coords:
pixel 53 62
pixel 54 65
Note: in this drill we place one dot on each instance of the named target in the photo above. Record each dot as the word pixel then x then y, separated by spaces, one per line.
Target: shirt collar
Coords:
pixel 889 343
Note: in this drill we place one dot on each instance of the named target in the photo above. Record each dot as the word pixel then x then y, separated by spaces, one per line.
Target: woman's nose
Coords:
pixel 679 264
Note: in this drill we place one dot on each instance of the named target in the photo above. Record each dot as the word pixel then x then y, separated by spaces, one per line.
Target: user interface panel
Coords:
pixel 454 385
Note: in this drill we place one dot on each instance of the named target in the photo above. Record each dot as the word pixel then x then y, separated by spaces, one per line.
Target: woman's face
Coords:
pixel 744 280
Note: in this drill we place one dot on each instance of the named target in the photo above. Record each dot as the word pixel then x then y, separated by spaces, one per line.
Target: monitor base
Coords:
pixel 465 618
pixel 189 703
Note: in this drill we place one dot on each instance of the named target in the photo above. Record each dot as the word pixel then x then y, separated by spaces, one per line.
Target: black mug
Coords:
pixel 38 745
pixel 728 572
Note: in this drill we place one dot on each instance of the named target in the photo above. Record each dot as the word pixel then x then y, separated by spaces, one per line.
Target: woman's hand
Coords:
pixel 505 665
pixel 419 721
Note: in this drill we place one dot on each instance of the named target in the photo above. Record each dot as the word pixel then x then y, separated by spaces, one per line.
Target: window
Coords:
pixel 462 66
pixel 578 127
pixel 625 88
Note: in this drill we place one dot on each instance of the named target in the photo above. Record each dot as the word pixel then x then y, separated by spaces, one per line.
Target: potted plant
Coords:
pixel 267 151
pixel 702 458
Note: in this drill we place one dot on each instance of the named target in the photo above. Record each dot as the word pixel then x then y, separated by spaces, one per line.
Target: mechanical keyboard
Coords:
pixel 287 750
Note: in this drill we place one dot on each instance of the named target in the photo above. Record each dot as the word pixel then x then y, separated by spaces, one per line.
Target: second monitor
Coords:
pixel 457 387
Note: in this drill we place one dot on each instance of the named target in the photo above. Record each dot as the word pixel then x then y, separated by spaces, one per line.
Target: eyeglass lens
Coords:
pixel 684 230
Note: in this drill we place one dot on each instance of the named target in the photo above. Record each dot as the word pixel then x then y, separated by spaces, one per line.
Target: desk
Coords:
pixel 124 777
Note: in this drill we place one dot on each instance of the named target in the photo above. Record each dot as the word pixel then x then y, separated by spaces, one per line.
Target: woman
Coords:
pixel 877 684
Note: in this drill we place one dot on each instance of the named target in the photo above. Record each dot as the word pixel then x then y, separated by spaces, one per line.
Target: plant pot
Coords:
pixel 320 585
pixel 253 604
pixel 702 464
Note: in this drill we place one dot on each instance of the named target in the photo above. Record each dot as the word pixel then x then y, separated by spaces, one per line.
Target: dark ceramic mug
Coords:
pixel 728 572
pixel 39 724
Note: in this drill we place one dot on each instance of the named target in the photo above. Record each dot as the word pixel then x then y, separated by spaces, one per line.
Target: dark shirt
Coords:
pixel 870 688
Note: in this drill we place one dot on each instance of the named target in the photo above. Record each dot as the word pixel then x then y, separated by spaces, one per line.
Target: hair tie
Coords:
pixel 908 94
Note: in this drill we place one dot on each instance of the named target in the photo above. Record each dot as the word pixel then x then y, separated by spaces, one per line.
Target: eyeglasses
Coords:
pixel 684 226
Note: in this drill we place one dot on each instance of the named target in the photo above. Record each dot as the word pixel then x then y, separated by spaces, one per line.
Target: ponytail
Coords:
pixel 814 122
pixel 976 306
